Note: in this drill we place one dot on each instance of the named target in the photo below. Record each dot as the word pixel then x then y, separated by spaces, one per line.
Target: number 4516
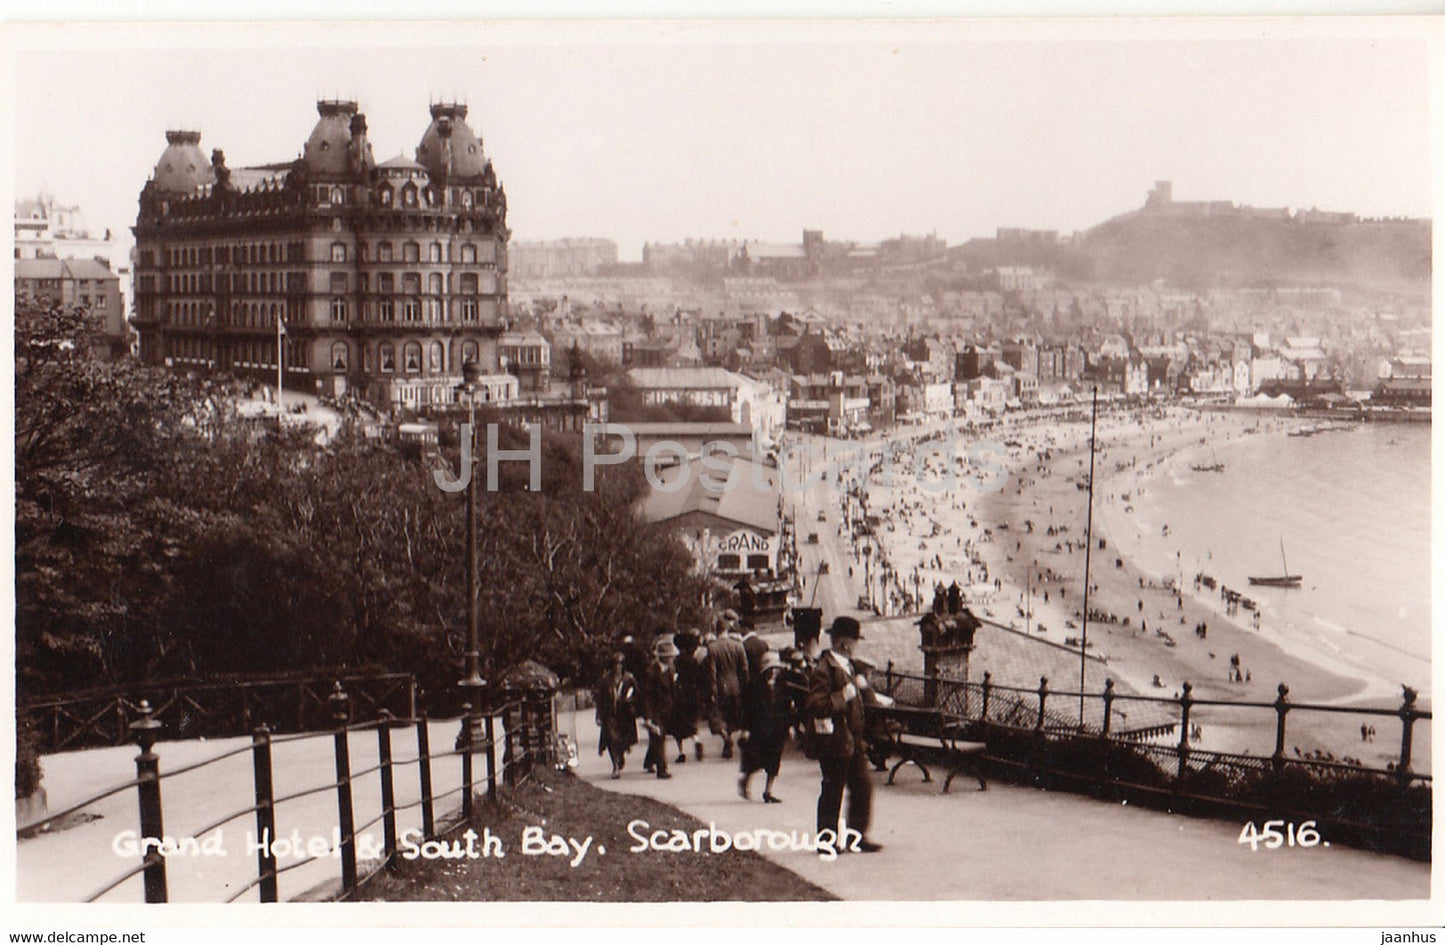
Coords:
pixel 1305 835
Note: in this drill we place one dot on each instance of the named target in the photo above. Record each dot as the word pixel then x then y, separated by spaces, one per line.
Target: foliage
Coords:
pixel 159 535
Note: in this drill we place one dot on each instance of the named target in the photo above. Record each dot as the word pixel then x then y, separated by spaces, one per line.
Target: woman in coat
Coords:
pixel 616 700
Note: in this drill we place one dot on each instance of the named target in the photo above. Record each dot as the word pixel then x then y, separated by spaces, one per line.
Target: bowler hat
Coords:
pixel 665 647
pixel 845 627
pixel 769 661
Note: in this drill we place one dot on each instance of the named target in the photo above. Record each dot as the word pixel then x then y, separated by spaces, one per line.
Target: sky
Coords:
pixel 864 129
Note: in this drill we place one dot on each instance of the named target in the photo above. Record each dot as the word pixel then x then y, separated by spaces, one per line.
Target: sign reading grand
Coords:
pixel 743 542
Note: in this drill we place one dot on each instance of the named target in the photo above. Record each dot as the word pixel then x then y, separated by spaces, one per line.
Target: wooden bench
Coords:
pixel 924 737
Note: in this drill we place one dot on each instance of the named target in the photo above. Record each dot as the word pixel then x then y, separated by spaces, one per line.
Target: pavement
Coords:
pixel 1012 843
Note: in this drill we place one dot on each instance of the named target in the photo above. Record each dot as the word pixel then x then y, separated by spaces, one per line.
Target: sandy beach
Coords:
pixel 1014 540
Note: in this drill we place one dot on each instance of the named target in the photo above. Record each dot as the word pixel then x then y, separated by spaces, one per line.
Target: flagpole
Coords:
pixel 280 330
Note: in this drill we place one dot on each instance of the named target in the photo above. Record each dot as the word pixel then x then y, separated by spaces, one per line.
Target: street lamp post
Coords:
pixel 473 683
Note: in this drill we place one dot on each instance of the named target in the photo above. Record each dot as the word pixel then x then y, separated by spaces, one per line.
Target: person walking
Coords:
pixel 754 646
pixel 616 700
pixel 659 696
pixel 727 666
pixel 767 711
pixel 836 737
pixel 691 683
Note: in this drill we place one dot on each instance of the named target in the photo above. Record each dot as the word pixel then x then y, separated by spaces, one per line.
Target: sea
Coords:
pixel 1349 509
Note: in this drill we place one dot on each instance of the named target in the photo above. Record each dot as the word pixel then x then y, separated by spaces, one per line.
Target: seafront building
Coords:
pixel 377 280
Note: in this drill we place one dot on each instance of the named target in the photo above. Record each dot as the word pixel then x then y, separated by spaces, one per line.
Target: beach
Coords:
pixel 1015 541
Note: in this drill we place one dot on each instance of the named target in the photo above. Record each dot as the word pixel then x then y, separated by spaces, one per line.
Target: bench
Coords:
pixel 923 737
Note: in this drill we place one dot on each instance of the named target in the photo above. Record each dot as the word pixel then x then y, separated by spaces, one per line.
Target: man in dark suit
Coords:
pixel 727 667
pixel 834 709
pixel 659 695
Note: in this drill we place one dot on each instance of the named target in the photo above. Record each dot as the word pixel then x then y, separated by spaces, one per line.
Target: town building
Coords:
pixel 378 280
pixel 89 283
pixel 551 259
pixel 727 513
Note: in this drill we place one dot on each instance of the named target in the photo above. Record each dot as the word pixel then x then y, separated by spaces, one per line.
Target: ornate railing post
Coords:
pixel 388 788
pixel 464 742
pixel 148 773
pixel 1043 694
pixel 1186 699
pixel 265 813
pixel 1407 726
pixel 1108 707
pixel 1281 709
pixel 344 813
pixel 423 767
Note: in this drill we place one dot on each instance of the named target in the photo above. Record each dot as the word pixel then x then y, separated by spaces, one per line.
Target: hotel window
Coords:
pixel 385 282
pixel 434 357
pixel 388 357
pixel 413 357
pixel 338 252
pixel 408 195
pixel 758 562
pixel 338 357
pixel 411 310
pixel 729 563
pixel 388 310
pixel 383 252
pixel 384 195
pixel 469 351
pixel 410 252
pixel 436 252
pixel 434 283
pixel 411 283
pixel 469 310
pixel 337 195
pixel 434 310
pixel 469 253
pixel 338 310
pixel 100 301
pixel 469 283
pixel 338 283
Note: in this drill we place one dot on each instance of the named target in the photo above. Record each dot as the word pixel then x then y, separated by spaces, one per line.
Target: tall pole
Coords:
pixel 280 330
pixel 473 684
pixel 1088 547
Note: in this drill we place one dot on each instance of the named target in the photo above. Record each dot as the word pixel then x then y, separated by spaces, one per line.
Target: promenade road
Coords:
pixel 1013 843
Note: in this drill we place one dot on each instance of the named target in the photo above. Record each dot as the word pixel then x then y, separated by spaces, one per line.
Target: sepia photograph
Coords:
pixel 790 472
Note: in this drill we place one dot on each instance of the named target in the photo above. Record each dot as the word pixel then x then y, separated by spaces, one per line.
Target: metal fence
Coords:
pixel 529 739
pixel 1037 734
pixel 189 709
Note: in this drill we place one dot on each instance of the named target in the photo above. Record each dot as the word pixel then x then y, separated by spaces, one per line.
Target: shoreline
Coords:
pixel 1034 580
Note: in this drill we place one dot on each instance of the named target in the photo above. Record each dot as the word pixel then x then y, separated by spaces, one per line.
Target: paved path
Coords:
pixel 1013 843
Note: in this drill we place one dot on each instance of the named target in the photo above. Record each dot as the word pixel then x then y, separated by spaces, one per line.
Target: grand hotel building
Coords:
pixel 385 278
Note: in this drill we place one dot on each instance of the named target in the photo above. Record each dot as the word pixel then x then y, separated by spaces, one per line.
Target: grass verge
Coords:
pixel 569 807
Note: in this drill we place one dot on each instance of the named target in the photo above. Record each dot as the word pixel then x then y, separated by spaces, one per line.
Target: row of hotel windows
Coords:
pixel 411 196
pixel 245 354
pixel 260 315
pixel 383 251
pixel 260 254
pixel 294 283
pixel 261 354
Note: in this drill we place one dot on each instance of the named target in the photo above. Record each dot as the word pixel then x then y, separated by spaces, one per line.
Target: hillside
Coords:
pixel 1236 249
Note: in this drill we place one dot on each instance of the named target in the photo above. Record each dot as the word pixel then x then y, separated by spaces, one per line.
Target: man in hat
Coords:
pixel 727 668
pixel 659 696
pixel 836 693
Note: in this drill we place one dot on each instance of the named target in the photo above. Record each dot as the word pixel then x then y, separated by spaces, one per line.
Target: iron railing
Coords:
pixel 528 739
pixel 1036 734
